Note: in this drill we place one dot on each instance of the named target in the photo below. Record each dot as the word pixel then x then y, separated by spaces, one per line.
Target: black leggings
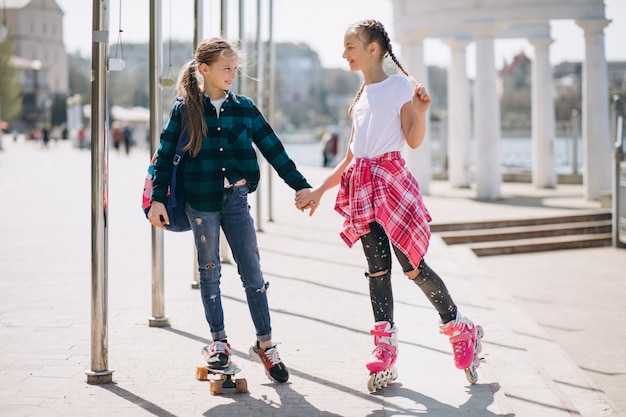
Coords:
pixel 376 248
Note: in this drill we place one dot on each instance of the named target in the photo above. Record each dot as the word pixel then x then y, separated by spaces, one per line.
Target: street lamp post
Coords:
pixel 36 67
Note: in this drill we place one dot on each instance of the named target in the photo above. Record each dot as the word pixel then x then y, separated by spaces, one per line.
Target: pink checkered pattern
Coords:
pixel 383 190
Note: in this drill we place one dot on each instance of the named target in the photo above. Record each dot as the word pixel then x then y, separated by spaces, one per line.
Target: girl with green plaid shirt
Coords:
pixel 220 170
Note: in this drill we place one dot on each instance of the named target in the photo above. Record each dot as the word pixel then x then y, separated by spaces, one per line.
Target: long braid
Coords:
pixel 356 98
pixel 194 111
pixel 369 31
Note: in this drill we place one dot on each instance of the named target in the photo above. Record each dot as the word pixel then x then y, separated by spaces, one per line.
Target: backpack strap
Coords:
pixel 183 140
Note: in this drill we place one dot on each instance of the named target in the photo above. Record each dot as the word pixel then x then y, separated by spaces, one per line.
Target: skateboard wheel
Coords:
pixel 241 385
pixel 201 373
pixel 216 387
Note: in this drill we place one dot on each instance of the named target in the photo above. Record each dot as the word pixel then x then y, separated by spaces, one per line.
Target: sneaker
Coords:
pixel 217 354
pixel 462 334
pixel 275 369
pixel 385 353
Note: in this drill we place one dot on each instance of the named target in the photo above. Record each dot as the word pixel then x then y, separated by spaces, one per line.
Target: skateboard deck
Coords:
pixel 225 380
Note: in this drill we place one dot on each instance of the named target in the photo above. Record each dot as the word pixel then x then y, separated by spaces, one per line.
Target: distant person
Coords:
pixel 45 135
pixel 81 137
pixel 382 203
pixel 118 135
pixel 128 138
pixel 330 143
pixel 220 170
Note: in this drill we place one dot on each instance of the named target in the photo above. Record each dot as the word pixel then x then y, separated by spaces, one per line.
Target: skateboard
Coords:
pixel 225 381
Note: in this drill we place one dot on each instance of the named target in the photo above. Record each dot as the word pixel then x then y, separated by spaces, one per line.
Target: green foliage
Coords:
pixel 10 102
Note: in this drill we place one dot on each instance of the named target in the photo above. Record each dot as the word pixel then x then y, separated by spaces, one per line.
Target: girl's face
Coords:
pixel 219 76
pixel 357 53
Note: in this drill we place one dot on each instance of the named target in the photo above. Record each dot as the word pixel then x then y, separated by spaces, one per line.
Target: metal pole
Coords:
pixel 259 96
pixel 158 318
pixel 99 373
pixel 242 80
pixel 619 176
pixel 198 27
pixel 270 102
pixel 224 19
pixel 198 30
pixel 224 249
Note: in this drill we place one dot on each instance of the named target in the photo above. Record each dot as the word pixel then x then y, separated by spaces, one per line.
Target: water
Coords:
pixel 515 154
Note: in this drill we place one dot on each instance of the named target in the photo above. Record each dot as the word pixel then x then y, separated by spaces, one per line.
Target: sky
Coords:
pixel 320 24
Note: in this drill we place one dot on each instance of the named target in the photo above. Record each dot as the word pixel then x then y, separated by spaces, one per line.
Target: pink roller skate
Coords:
pixel 381 363
pixel 465 338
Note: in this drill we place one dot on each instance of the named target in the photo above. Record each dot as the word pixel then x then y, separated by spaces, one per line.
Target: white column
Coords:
pixel 418 160
pixel 543 131
pixel 459 123
pixel 597 144
pixel 486 119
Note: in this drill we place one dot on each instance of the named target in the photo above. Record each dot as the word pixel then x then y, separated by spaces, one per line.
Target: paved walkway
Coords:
pixel 319 301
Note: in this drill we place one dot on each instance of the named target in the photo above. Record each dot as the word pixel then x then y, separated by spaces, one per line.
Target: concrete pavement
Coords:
pixel 319 301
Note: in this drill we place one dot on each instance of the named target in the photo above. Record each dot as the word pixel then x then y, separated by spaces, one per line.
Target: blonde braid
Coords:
pixel 194 103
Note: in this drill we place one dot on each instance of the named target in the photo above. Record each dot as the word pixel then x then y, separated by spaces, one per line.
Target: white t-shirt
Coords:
pixel 376 117
pixel 218 105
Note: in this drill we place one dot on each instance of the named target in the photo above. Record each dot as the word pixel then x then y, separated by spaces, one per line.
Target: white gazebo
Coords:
pixel 460 22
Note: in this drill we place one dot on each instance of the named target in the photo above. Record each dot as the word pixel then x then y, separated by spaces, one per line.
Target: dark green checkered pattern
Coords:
pixel 227 152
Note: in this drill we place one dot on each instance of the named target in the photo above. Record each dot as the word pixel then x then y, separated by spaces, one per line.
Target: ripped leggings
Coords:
pixel 376 247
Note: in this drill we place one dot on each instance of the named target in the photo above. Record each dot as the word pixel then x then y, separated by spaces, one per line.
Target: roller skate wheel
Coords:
pixel 478 347
pixel 241 385
pixel 379 380
pixel 201 373
pixel 376 381
pixel 471 375
pixel 370 383
pixel 479 332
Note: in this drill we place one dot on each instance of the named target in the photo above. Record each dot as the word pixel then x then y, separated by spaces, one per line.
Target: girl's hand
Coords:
pixel 308 199
pixel 158 215
pixel 421 100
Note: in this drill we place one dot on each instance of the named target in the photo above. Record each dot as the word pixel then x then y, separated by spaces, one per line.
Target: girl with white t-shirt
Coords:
pixel 381 201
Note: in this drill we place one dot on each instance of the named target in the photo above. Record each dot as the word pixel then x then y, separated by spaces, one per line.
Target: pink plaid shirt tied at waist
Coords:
pixel 383 190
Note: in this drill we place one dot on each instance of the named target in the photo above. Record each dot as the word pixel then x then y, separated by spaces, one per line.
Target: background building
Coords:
pixel 36 33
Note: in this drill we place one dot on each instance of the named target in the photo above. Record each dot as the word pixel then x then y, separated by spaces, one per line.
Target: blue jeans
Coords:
pixel 238 227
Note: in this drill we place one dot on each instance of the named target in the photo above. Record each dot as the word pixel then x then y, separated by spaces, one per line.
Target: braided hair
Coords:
pixel 369 31
pixel 189 86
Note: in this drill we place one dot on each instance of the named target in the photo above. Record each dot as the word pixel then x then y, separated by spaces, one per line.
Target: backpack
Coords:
pixel 175 203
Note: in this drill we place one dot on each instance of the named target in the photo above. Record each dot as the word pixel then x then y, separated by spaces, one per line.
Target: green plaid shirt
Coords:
pixel 227 152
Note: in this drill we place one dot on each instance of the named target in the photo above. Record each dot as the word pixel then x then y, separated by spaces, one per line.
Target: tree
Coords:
pixel 58 109
pixel 10 103
pixel 80 71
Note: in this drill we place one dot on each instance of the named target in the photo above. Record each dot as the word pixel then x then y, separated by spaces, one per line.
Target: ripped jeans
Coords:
pixel 376 248
pixel 238 227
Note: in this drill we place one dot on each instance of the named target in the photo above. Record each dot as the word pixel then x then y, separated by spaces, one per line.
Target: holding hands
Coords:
pixel 308 198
